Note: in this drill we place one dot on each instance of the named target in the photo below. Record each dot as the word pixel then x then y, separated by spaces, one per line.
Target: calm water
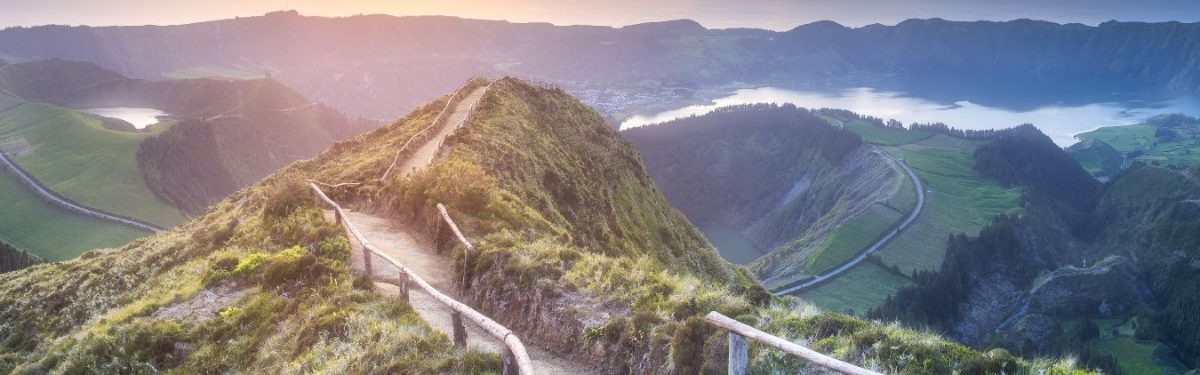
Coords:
pixel 1058 120
pixel 732 246
pixel 139 117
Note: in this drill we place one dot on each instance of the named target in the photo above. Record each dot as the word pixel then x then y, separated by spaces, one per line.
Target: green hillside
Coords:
pixel 957 200
pixel 51 233
pixel 1166 140
pixel 77 157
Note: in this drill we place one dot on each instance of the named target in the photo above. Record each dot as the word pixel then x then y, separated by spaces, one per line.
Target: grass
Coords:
pixel 49 232
pixel 1132 356
pixel 885 136
pixel 859 290
pixel 78 158
pixel 1183 151
pixel 852 237
pixel 957 200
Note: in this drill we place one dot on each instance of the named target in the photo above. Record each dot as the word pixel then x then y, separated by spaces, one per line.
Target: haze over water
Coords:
pixel 1059 121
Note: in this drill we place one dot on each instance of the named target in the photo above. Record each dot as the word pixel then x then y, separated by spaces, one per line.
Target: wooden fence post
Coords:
pixel 509 363
pixel 367 261
pixel 738 357
pixel 403 284
pixel 460 332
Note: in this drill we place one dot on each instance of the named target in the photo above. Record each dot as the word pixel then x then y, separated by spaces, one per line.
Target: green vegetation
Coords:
pixel 852 237
pixel 74 155
pixel 957 200
pixel 279 299
pixel 12 259
pixel 1166 140
pixel 885 136
pixel 51 233
pixel 858 291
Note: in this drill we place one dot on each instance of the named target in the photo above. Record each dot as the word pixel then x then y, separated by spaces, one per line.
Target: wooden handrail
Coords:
pixel 738 331
pixel 436 120
pixel 515 347
pixel 459 125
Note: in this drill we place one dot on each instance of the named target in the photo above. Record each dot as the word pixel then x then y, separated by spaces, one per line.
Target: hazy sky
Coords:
pixel 770 14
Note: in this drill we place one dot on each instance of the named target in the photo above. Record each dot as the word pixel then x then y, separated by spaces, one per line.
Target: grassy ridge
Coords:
pixel 74 155
pixel 852 237
pixel 51 233
pixel 857 291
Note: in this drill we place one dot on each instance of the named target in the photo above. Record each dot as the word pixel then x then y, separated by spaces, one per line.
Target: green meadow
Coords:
pixel 77 157
pixel 49 232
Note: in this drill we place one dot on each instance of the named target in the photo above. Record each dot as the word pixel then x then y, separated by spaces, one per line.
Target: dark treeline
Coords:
pixel 12 259
pixel 1023 156
pixel 937 127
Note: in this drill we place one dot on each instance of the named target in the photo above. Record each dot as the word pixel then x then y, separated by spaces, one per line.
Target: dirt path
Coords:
pixel 414 251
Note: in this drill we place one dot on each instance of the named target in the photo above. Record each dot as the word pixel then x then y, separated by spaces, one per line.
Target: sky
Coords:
pixel 767 14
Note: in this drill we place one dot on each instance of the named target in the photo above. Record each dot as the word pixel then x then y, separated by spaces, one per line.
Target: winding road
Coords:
pixel 61 201
pixel 875 246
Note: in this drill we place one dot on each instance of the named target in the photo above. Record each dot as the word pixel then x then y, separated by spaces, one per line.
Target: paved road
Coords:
pixel 875 246
pixel 414 252
pixel 58 200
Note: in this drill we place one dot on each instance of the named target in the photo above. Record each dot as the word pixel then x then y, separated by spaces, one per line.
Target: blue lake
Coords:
pixel 1059 119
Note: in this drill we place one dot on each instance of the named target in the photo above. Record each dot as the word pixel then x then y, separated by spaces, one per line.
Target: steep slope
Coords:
pixel 781 176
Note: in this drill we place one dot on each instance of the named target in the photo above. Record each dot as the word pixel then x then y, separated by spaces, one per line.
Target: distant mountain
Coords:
pixel 379 66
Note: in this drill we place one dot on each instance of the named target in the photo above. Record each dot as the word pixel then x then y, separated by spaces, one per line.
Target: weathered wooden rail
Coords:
pixel 739 357
pixel 516 359
pixel 459 125
pixel 420 134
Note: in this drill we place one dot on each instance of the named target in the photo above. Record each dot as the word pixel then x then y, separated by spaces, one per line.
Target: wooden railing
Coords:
pixel 470 113
pixel 739 357
pixel 516 359
pixel 422 132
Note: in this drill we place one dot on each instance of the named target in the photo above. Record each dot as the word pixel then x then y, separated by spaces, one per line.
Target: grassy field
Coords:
pixel 885 136
pixel 78 158
pixel 957 200
pixel 49 232
pixel 852 237
pixel 906 197
pixel 859 290
pixel 1183 150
